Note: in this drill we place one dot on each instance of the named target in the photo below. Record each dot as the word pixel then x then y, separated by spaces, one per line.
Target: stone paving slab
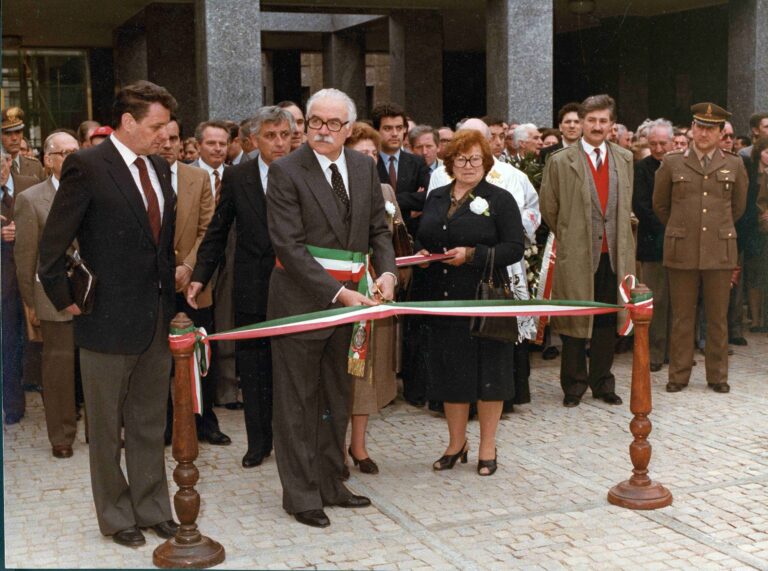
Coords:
pixel 545 508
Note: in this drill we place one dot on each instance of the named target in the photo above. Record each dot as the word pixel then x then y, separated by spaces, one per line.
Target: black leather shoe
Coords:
pixel 13 418
pixel 252 459
pixel 367 466
pixel 313 518
pixel 674 387
pixel 237 405
pixel 353 502
pixel 61 451
pixel 130 537
pixel 737 341
pixel 721 388
pixel 609 398
pixel 550 353
pixel 216 437
pixel 570 402
pixel 165 529
pixel 656 367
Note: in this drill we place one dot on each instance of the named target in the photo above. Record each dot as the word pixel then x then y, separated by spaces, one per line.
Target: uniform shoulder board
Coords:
pixel 676 152
pixel 730 152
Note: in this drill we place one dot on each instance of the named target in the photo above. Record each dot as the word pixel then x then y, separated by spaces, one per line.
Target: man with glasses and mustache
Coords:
pixel 58 363
pixel 328 197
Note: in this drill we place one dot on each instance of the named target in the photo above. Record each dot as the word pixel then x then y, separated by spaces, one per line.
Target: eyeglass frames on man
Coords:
pixel 334 125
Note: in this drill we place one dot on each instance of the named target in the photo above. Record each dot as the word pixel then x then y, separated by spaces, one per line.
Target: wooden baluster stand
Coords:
pixel 640 492
pixel 189 548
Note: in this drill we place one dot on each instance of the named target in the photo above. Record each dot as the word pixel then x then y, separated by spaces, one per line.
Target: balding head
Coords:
pixel 475 124
pixel 57 147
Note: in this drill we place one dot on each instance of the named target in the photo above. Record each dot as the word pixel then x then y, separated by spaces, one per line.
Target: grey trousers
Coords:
pixel 655 277
pixel 59 382
pixel 311 408
pixel 129 391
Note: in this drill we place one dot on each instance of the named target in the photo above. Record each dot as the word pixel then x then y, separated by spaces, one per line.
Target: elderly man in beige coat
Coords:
pixel 58 371
pixel 586 200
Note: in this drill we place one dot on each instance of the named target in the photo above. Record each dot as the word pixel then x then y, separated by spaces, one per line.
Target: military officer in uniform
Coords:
pixel 13 133
pixel 699 194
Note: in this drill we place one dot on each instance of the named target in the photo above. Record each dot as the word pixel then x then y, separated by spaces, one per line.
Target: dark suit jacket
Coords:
pixel 302 210
pixel 242 199
pixel 412 174
pixel 545 152
pixel 10 285
pixel 99 204
pixel 650 231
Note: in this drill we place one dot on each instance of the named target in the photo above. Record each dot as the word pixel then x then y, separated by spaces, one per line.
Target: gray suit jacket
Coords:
pixel 31 212
pixel 301 210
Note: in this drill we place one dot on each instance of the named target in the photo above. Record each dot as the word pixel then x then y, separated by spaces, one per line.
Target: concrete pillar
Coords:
pixel 228 42
pixel 344 65
pixel 416 63
pixel 519 56
pixel 286 75
pixel 747 60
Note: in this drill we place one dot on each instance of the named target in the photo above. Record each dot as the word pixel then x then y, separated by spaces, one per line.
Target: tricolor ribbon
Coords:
pixel 201 359
pixel 641 301
pixel 348 266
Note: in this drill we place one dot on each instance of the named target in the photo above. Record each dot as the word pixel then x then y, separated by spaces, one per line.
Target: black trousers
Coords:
pixel 574 377
pixel 254 361
pixel 208 421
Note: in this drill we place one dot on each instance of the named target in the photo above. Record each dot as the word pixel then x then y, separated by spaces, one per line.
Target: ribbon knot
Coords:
pixel 201 359
pixel 633 301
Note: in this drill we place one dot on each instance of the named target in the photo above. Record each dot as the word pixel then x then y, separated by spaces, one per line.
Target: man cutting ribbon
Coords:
pixel 321 196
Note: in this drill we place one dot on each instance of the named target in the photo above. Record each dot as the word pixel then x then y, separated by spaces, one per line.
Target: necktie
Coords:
pixel 15 166
pixel 153 206
pixel 598 161
pixel 704 161
pixel 338 185
pixel 216 187
pixel 7 199
pixel 392 173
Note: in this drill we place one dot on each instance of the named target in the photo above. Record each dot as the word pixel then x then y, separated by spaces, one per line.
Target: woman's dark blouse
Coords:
pixel 460 367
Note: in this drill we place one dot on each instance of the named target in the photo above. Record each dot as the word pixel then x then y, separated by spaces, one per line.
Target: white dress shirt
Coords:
pixel 130 158
pixel 210 170
pixel 264 173
pixel 175 177
pixel 341 164
pixel 387 158
pixel 55 182
pixel 590 150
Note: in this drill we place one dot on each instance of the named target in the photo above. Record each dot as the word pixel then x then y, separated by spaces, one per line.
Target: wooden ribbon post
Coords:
pixel 640 492
pixel 189 548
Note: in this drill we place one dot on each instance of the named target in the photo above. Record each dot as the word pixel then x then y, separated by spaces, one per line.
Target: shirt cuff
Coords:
pixel 338 293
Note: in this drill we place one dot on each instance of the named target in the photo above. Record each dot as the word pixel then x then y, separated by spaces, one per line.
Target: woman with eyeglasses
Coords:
pixel 467 219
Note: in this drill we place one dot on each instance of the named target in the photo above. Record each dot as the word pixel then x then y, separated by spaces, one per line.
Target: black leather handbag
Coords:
pixel 82 282
pixel 494 284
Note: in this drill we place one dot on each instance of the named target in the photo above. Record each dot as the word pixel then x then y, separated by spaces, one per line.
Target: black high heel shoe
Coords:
pixel 448 461
pixel 489 465
pixel 367 466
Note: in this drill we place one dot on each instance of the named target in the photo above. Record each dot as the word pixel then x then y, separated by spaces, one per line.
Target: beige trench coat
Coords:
pixel 566 207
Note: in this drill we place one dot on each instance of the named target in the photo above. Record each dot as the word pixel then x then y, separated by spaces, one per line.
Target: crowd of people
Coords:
pixel 236 225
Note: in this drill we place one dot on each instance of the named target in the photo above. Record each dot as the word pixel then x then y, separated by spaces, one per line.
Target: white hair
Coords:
pixel 49 141
pixel 660 123
pixel 521 132
pixel 335 94
pixel 621 130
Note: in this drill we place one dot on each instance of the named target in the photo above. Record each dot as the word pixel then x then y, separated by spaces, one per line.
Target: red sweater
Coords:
pixel 601 184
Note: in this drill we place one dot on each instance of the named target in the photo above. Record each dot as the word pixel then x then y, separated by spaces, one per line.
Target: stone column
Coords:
pixel 228 43
pixel 344 65
pixel 416 63
pixel 519 56
pixel 747 60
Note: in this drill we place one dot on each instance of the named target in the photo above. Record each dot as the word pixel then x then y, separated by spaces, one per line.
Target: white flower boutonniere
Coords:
pixel 390 208
pixel 479 206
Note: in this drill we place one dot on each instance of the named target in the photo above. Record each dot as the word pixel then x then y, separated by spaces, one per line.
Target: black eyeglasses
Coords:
pixel 334 125
pixel 474 160
pixel 64 154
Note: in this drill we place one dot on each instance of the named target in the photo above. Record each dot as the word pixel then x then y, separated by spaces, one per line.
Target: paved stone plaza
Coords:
pixel 545 508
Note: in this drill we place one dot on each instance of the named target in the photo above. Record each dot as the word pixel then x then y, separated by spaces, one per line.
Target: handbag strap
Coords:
pixel 489 265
